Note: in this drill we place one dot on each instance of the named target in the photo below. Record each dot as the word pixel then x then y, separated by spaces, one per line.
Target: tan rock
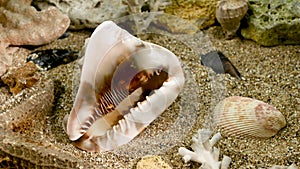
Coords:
pixel 198 12
pixel 151 162
pixel 6 57
pixel 86 14
pixel 22 24
pixel 20 78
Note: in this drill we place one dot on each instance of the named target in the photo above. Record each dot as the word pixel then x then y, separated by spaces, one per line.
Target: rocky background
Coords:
pixel 34 99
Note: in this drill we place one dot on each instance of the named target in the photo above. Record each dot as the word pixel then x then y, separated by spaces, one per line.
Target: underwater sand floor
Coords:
pixel 270 74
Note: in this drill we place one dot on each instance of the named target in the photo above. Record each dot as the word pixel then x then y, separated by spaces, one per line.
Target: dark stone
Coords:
pixel 51 58
pixel 219 63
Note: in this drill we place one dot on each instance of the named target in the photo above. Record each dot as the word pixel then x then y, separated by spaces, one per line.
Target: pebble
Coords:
pixel 151 162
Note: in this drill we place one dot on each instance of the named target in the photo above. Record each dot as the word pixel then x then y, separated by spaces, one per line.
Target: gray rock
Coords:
pixel 86 14
pixel 273 22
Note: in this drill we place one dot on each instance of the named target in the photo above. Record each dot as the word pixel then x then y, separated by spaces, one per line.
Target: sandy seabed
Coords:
pixel 269 74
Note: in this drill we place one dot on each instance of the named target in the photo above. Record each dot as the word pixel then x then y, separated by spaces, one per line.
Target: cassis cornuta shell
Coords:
pixel 125 84
pixel 229 13
pixel 243 116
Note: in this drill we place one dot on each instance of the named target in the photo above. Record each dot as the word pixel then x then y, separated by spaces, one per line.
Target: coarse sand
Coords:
pixel 269 74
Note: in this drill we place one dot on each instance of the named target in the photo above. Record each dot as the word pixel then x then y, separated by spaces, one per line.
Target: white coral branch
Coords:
pixel 204 152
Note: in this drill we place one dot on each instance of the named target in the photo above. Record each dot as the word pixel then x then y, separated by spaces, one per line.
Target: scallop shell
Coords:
pixel 125 84
pixel 229 13
pixel 242 116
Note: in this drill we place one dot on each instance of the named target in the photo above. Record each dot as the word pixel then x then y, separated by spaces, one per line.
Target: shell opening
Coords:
pixel 125 84
pixel 128 87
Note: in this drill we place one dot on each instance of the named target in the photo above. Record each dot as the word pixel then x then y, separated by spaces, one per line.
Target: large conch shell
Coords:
pixel 247 117
pixel 229 14
pixel 125 84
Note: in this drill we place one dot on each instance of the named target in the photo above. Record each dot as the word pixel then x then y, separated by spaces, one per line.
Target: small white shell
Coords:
pixel 242 116
pixel 229 14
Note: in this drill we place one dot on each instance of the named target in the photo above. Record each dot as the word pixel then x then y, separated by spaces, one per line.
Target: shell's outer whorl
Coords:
pixel 231 9
pixel 242 116
pixel 85 96
pixel 126 83
pixel 229 14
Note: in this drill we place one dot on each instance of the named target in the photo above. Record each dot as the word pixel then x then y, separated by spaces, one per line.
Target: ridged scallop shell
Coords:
pixel 229 13
pixel 125 84
pixel 242 116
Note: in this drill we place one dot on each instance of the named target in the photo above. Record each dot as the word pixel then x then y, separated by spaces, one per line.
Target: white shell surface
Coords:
pixel 242 116
pixel 106 51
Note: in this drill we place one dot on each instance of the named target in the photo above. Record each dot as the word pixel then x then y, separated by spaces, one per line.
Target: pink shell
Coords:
pixel 242 116
pixel 126 83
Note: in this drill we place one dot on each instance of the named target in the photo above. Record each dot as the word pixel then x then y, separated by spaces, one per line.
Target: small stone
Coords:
pixel 20 78
pixel 51 58
pixel 219 63
pixel 152 161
